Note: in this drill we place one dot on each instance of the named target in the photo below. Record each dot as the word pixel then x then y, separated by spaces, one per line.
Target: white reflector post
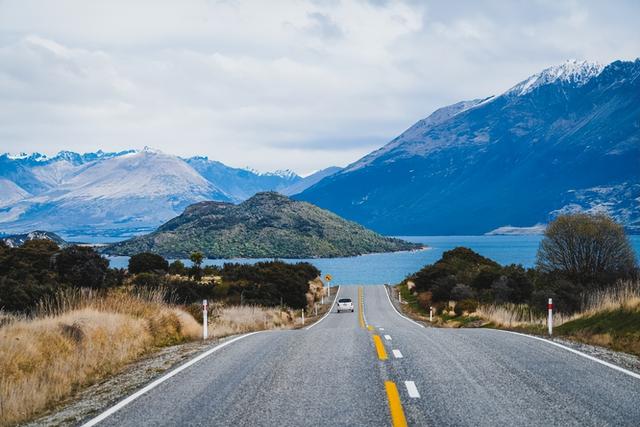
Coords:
pixel 205 331
pixel 550 320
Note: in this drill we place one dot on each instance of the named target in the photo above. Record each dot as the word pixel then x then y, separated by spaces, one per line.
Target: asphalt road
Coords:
pixel 334 374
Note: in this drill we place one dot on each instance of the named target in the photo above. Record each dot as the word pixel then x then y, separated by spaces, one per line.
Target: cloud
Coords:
pixel 285 84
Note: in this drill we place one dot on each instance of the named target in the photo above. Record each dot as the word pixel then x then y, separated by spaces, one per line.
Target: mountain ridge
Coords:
pixel 517 159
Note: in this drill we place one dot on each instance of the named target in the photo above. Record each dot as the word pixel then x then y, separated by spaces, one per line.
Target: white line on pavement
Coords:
pixel 328 312
pixel 397 312
pixel 412 389
pixel 579 353
pixel 387 337
pixel 397 354
pixel 160 380
pixel 382 329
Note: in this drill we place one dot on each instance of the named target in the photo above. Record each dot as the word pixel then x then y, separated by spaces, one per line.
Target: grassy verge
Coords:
pixel 77 339
pixel 609 318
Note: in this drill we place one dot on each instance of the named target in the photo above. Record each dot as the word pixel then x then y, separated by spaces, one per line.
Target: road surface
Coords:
pixel 336 373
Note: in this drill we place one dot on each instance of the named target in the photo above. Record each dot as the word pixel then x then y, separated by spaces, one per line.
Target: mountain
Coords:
pixel 308 181
pixel 241 184
pixel 566 139
pixel 268 225
pixel 119 194
pixel 17 240
pixel 99 193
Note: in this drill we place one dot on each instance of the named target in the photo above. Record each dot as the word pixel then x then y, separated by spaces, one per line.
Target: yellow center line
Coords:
pixel 361 307
pixel 370 328
pixel 395 406
pixel 382 353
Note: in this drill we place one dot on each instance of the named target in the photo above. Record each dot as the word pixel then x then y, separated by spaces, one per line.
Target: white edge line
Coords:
pixel 328 312
pixel 397 354
pixel 412 389
pixel 159 381
pixel 397 312
pixel 579 353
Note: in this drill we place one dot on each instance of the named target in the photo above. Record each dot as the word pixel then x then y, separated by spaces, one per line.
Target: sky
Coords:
pixel 298 85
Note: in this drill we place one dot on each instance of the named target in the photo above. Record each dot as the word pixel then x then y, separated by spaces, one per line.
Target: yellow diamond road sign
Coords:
pixel 328 277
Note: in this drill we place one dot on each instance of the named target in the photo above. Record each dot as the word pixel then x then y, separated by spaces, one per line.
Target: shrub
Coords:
pixel 467 305
pixel 587 249
pixel 147 262
pixel 177 267
pixel 147 280
pixel 424 299
pixel 82 267
pixel 461 292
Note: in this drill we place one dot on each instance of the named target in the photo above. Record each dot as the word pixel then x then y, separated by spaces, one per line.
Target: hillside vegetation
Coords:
pixel 268 225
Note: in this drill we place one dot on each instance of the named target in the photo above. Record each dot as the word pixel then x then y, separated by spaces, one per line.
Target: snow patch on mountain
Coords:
pixel 573 72
pixel 10 192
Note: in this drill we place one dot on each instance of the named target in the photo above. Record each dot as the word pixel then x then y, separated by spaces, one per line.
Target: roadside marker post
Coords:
pixel 315 306
pixel 430 314
pixel 399 296
pixel 550 319
pixel 205 331
pixel 302 316
pixel 328 279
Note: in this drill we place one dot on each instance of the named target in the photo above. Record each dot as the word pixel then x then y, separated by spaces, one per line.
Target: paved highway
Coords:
pixel 376 368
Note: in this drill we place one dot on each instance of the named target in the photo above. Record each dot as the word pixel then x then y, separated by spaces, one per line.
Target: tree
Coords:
pixel 177 267
pixel 147 262
pixel 196 258
pixel 82 267
pixel 587 249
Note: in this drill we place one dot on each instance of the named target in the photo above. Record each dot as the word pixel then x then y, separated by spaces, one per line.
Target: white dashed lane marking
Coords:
pixel 397 354
pixel 412 389
pixel 387 337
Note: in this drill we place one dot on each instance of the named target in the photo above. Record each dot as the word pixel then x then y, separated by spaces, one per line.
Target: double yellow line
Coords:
pixel 393 397
pixel 361 307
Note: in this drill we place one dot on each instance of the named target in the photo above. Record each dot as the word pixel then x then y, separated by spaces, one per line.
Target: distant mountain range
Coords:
pixel 120 194
pixel 566 139
pixel 18 240
pixel 267 225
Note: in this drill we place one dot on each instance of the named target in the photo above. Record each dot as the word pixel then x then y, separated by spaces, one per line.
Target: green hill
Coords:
pixel 268 225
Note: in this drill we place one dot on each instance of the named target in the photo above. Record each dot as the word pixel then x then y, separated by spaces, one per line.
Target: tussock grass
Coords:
pixel 609 318
pixel 240 319
pixel 77 338
pixel 622 296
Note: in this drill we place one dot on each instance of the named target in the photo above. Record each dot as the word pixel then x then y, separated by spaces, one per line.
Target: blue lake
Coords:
pixel 393 267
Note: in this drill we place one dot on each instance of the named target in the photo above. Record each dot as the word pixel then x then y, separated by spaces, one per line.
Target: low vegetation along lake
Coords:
pixel 393 267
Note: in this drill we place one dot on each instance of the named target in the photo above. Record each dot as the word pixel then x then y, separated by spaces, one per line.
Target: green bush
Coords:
pixel 147 262
pixel 148 280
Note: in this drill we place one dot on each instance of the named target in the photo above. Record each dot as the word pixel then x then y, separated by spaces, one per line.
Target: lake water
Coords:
pixel 393 267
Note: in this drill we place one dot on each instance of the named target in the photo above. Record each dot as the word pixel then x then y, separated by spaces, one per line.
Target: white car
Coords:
pixel 345 304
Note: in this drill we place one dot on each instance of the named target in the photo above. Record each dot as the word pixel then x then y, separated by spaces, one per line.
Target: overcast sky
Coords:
pixel 274 84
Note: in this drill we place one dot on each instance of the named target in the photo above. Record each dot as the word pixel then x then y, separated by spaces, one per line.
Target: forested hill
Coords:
pixel 268 225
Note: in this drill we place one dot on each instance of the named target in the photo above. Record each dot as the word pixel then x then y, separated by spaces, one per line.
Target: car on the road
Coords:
pixel 345 304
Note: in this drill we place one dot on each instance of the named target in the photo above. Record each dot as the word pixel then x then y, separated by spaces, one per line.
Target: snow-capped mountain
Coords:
pixel 310 180
pixel 240 184
pixel 117 194
pixel 564 139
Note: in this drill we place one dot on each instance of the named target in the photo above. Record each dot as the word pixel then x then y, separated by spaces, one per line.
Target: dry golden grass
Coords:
pixel 231 320
pixel 625 295
pixel 78 338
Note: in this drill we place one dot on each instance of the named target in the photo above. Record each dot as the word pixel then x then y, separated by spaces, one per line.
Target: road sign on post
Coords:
pixel 550 319
pixel 205 331
pixel 328 279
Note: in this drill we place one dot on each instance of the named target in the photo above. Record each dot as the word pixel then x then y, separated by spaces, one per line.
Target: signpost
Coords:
pixel 328 279
pixel 205 332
